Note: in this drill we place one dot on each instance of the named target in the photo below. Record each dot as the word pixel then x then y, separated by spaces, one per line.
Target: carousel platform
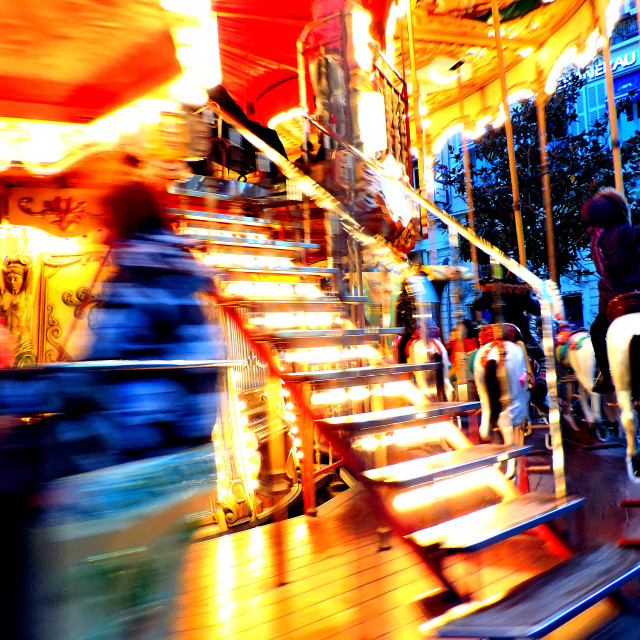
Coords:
pixel 326 577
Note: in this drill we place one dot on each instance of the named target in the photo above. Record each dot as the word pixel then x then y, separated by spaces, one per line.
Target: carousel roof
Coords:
pixel 456 56
pixel 76 61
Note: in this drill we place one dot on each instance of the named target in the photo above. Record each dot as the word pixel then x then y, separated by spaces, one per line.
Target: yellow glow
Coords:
pixel 500 118
pixel 331 396
pixel 276 290
pixel 444 136
pixel 357 393
pixel 481 127
pixel 360 21
pixel 396 12
pixel 368 443
pixel 284 116
pixel 521 94
pixel 567 58
pixel 271 321
pixel 186 93
pixel 443 488
pixel 526 52
pixel 301 532
pixel 238 260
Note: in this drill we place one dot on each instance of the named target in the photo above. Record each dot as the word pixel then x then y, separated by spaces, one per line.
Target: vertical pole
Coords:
pixel 546 183
pixel 415 94
pixel 309 500
pixel 611 100
pixel 517 213
pixel 417 118
pixel 471 218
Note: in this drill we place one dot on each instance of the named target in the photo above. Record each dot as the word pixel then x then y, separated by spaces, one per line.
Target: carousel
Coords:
pixel 284 139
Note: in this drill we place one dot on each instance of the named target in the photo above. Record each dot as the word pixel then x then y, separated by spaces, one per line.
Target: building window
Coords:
pixel 573 308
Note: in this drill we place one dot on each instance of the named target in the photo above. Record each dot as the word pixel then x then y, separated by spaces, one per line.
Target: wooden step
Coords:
pixel 412 473
pixel 546 601
pixel 330 337
pixel 229 218
pixel 485 527
pixel 324 304
pixel 281 245
pixel 357 376
pixel 378 421
pixel 293 270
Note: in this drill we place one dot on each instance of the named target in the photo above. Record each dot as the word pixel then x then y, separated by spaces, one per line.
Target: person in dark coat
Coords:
pixel 615 251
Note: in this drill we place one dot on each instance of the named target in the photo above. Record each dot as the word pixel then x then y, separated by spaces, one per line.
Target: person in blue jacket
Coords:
pixel 615 251
pixel 151 309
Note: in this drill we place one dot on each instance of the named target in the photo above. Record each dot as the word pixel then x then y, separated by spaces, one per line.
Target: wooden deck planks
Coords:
pixel 338 584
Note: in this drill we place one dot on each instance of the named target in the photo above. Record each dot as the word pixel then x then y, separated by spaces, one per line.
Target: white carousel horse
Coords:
pixel 430 350
pixel 575 351
pixel 501 370
pixel 623 349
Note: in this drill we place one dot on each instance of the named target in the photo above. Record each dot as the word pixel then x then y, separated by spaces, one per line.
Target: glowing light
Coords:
pixel 284 116
pixel 188 94
pixel 360 21
pixel 444 136
pixel 566 58
pixel 332 396
pixel 481 127
pixel 443 488
pixel 526 52
pixel 500 118
pixel 372 122
pixel 44 144
pixel 518 96
pixel 358 393
pixel 368 443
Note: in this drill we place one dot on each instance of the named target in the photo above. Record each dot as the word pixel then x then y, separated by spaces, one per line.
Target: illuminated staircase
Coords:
pixel 320 390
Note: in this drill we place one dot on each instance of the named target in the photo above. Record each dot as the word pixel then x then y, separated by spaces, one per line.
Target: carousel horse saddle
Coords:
pixel 499 331
pixel 623 304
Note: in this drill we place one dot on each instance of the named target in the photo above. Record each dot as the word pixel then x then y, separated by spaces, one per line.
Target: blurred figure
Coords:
pixel 615 253
pixel 463 339
pixel 509 300
pixel 151 311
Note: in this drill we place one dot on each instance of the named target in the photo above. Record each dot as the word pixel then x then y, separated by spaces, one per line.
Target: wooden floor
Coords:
pixel 338 584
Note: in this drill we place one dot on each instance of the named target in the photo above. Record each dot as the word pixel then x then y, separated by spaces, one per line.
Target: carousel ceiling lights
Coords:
pixel 45 147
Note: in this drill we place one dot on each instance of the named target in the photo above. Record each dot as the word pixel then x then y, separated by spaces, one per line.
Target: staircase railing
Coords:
pixel 546 291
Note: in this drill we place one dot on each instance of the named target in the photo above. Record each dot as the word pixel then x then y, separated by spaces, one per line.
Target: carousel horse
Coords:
pixel 575 351
pixel 502 370
pixel 623 349
pixel 419 351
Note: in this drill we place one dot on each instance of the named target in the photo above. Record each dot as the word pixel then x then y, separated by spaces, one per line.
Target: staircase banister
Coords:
pixel 386 255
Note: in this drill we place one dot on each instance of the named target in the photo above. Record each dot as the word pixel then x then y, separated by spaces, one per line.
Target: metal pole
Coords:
pixel 546 183
pixel 417 118
pixel 471 219
pixel 517 213
pixel 611 100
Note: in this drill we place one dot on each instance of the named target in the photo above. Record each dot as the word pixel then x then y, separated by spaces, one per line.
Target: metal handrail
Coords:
pixel 546 291
pixel 121 365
